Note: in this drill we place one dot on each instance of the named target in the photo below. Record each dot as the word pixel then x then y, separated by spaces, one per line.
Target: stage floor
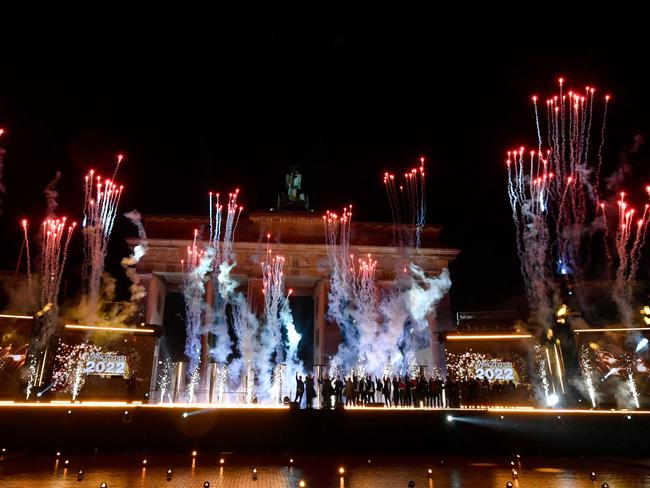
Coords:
pixel 190 407
pixel 121 427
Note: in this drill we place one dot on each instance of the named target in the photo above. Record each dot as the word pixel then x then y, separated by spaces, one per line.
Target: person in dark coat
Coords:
pixel 396 398
pixel 300 389
pixel 338 391
pixel 362 391
pixel 387 391
pixel 348 391
pixel 327 391
pixel 370 390
pixel 355 390
pixel 310 390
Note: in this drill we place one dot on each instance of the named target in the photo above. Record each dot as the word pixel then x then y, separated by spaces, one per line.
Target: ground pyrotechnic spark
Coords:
pixel 632 386
pixel 541 370
pixel 165 380
pixel 587 374
pixel 69 367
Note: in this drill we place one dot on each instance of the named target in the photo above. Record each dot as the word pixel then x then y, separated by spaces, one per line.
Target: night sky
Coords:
pixel 200 102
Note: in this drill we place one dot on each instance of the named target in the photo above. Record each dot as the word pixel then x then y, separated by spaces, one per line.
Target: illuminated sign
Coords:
pixel 494 370
pixel 101 363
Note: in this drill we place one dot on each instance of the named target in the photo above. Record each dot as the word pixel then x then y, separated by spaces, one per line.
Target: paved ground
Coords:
pixel 317 472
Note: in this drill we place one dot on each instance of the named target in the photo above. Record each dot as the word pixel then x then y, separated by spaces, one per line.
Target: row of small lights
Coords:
pixel 302 483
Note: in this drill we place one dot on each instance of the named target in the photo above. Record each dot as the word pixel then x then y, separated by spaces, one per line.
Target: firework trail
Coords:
pixel 221 242
pixel 554 195
pixel 216 260
pixel 529 193
pixel 340 306
pixel 24 225
pixel 279 357
pixel 56 235
pixel 55 240
pixel 196 269
pixel 408 205
pixel 628 242
pixel 101 200
pixel 380 331
pixel 271 336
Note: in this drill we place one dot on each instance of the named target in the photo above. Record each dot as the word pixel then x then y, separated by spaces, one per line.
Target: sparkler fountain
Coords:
pixel 259 350
pixel 383 330
pixel 101 200
pixel 556 208
pixel 56 235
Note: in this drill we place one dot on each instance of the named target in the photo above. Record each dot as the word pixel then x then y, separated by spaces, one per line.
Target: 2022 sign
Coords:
pixel 494 371
pixel 105 364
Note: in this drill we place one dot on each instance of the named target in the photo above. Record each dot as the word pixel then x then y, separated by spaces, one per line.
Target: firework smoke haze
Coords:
pixel 138 291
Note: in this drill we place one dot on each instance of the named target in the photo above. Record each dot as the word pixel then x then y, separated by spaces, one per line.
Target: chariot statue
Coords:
pixel 293 198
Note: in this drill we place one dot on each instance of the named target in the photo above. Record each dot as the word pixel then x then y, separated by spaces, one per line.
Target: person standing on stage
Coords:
pixel 362 391
pixel 348 391
pixel 300 389
pixel 396 398
pixel 310 390
pixel 338 391
pixel 387 391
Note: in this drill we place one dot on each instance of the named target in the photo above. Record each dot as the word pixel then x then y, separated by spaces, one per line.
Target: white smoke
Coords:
pixel 51 194
pixel 425 293
pixel 195 305
pixel 386 333
pixel 138 291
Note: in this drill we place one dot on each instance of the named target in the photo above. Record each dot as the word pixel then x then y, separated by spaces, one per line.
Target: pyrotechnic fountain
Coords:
pixel 554 193
pixel 101 200
pixel 260 354
pixel 383 330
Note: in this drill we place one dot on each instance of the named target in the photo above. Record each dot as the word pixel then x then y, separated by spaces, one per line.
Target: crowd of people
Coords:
pixel 406 391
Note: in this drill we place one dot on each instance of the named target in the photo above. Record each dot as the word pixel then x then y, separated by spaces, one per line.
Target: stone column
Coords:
pixel 156 294
pixel 320 309
pixel 204 383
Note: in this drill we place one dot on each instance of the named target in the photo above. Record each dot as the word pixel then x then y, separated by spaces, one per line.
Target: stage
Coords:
pixel 122 427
